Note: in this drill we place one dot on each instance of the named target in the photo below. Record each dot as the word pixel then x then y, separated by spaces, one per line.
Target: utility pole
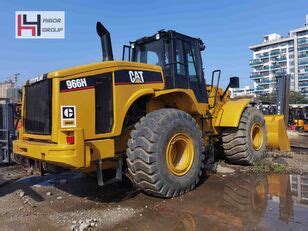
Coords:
pixel 14 78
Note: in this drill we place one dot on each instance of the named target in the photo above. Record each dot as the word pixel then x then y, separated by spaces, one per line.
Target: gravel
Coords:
pixel 21 194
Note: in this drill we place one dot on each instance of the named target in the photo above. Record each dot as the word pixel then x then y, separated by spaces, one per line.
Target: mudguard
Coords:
pixel 230 113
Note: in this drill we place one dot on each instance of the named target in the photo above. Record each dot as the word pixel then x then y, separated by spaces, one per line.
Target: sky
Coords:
pixel 228 28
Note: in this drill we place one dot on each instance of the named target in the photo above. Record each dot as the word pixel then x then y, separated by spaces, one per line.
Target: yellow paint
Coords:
pixel 101 149
pixel 183 99
pixel 90 146
pixel 180 154
pixel 99 67
pixel 277 136
pixel 123 96
pixel 72 155
pixel 256 136
pixel 60 154
pixel 230 113
pixel 299 122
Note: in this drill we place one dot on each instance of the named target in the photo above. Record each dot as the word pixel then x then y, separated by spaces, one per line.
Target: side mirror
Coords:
pixel 201 46
pixel 234 82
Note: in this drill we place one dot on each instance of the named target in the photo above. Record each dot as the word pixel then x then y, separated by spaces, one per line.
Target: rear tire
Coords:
pixel 246 144
pixel 16 159
pixel 165 153
pixel 301 129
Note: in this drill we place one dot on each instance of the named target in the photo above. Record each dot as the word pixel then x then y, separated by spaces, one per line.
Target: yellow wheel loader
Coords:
pixel 299 116
pixel 152 114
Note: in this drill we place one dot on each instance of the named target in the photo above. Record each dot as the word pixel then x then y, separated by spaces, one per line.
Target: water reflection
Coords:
pixel 299 188
pixel 242 202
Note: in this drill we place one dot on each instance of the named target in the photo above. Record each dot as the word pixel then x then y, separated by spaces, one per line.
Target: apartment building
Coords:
pixel 277 56
pixel 9 90
pixel 5 88
pixel 244 91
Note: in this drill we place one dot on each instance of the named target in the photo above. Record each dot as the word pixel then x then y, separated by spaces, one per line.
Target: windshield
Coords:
pixel 150 53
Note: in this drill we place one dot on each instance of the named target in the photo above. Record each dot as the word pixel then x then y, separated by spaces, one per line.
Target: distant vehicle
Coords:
pixel 299 118
pixel 9 124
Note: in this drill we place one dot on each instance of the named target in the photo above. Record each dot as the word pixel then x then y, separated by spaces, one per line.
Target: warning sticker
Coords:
pixel 68 116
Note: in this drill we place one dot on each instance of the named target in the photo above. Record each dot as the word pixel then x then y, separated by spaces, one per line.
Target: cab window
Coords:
pixel 150 53
pixel 179 57
pixel 191 67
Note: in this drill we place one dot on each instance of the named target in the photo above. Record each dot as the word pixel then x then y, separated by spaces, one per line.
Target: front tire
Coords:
pixel 246 144
pixel 165 153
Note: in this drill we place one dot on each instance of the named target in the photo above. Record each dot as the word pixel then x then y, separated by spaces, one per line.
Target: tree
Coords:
pixel 294 98
pixel 268 98
pixel 297 98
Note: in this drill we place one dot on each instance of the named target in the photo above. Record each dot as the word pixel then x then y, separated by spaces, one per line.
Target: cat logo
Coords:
pixel 68 116
pixel 136 76
pixel 68 112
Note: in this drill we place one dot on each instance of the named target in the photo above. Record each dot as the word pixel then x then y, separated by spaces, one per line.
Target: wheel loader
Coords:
pixel 151 115
pixel 299 118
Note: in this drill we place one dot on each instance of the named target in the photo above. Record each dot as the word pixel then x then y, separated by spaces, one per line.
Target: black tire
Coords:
pixel 237 142
pixel 246 196
pixel 301 129
pixel 146 153
pixel 16 158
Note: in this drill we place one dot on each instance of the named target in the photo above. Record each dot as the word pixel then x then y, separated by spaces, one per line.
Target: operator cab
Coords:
pixel 179 56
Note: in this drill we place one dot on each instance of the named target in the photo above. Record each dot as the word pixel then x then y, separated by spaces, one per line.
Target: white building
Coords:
pixel 5 87
pixel 247 90
pixel 279 55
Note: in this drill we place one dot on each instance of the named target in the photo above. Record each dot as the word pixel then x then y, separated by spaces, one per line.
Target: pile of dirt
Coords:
pixel 277 162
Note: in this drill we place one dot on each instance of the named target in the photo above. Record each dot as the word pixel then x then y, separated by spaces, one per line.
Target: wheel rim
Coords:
pixel 180 154
pixel 257 136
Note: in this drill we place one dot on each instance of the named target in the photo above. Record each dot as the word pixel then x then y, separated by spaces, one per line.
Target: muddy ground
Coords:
pixel 273 195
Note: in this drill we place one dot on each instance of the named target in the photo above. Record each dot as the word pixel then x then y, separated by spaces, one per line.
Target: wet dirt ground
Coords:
pixel 273 195
pixel 221 202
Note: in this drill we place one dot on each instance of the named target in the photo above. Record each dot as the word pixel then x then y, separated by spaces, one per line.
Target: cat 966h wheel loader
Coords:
pixel 152 112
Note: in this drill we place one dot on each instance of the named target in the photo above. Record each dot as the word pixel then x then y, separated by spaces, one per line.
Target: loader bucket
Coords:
pixel 277 133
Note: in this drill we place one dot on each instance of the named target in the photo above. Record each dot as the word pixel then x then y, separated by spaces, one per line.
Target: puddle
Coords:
pixel 221 202
pixel 233 202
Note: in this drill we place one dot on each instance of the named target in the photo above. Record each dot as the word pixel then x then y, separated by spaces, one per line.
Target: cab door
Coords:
pixel 181 78
pixel 188 68
pixel 191 70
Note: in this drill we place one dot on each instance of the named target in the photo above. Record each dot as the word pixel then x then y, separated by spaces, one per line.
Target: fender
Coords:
pixel 181 97
pixel 230 113
pixel 129 103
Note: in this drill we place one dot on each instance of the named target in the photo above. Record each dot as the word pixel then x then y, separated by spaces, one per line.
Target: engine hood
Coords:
pixel 102 65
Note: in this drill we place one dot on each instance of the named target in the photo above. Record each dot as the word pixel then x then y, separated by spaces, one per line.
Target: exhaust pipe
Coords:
pixel 104 34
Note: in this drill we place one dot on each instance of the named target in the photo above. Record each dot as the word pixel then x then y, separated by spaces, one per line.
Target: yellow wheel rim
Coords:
pixel 180 154
pixel 256 136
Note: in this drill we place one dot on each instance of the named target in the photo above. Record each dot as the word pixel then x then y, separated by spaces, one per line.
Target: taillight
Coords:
pixel 19 125
pixel 70 139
